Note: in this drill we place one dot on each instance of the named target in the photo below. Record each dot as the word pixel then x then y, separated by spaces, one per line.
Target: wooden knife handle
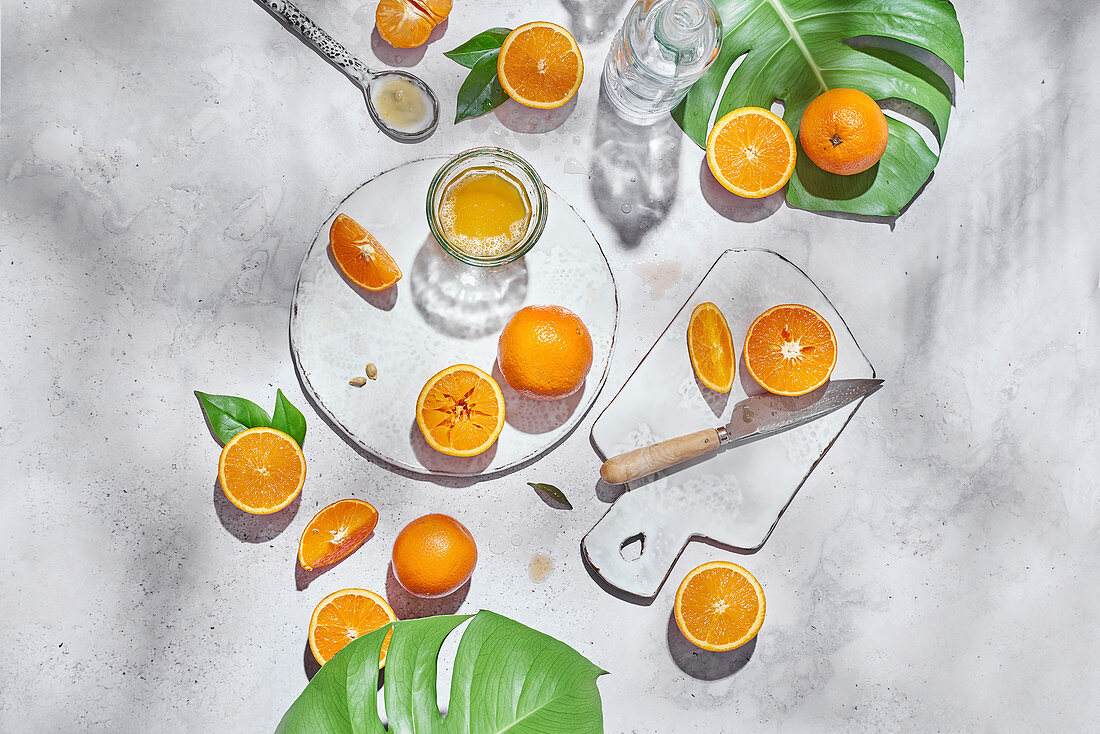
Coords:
pixel 649 459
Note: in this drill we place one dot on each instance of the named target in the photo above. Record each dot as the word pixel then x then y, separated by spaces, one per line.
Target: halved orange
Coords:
pixel 751 152
pixel 361 257
pixel 409 23
pixel 460 411
pixel 540 65
pixel 719 606
pixel 710 347
pixel 344 615
pixel 262 470
pixel 335 532
pixel 790 350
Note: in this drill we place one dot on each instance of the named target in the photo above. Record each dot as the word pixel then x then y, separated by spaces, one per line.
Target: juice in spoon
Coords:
pixel 484 212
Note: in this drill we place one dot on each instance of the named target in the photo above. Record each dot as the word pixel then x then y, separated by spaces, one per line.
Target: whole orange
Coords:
pixel 434 555
pixel 545 352
pixel 843 131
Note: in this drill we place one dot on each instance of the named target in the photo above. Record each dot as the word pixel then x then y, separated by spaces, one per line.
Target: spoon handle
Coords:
pixel 294 19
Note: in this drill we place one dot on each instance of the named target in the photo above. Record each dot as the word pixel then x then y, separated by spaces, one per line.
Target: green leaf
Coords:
pixel 553 491
pixel 795 49
pixel 468 53
pixel 481 92
pixel 506 677
pixel 288 419
pixel 229 415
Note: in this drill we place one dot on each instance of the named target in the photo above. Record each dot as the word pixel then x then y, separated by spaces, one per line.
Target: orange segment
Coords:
pixel 719 606
pixel 790 350
pixel 336 532
pixel 460 411
pixel 361 257
pixel 710 347
pixel 751 152
pixel 344 615
pixel 540 65
pixel 409 23
pixel 261 470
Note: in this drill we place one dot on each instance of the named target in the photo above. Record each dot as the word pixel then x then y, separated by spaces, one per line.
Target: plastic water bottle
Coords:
pixel 663 47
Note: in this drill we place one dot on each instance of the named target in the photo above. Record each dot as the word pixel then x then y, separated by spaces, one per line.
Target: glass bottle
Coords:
pixel 662 49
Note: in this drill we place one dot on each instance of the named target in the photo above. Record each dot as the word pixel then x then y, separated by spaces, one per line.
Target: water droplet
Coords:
pixel 625 208
pixel 517 540
pixel 572 165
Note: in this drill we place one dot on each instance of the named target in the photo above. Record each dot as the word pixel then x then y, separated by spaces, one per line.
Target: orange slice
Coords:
pixel 751 152
pixel 790 350
pixel 460 411
pixel 710 347
pixel 336 532
pixel 361 257
pixel 540 65
pixel 409 23
pixel 719 606
pixel 344 615
pixel 261 470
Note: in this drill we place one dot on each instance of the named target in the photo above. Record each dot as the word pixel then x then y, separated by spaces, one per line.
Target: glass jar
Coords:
pixel 517 172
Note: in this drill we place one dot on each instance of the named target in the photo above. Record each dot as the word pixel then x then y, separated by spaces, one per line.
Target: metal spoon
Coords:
pixel 333 52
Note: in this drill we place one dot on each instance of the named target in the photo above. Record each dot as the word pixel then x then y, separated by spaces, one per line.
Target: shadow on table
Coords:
pixel 410 606
pixel 384 300
pixel 734 207
pixel 530 120
pixel 250 528
pixel 303 578
pixel 391 56
pixel 704 664
pixel 592 19
pixel 535 416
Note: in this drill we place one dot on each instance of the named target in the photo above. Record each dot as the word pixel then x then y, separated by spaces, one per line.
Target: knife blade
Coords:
pixel 754 418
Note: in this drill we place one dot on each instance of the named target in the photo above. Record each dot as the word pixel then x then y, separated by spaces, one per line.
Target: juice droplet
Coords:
pixel 540 567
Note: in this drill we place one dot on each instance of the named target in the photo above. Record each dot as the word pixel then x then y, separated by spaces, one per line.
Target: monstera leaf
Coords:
pixel 796 49
pixel 506 678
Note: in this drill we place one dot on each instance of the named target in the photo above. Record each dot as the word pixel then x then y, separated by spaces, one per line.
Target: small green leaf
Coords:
pixel 229 416
pixel 470 52
pixel 481 92
pixel 288 419
pixel 553 491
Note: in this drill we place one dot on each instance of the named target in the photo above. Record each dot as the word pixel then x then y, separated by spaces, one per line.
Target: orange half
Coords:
pixel 540 65
pixel 360 256
pixel 719 606
pixel 336 532
pixel 460 411
pixel 710 347
pixel 790 350
pixel 345 615
pixel 261 470
pixel 751 152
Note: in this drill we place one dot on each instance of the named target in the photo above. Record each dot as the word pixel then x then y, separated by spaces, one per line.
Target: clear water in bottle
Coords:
pixel 663 47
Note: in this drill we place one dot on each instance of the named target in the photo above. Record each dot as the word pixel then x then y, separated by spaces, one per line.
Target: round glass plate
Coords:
pixel 440 313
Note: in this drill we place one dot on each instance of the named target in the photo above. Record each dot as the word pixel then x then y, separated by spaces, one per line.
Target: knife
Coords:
pixel 753 418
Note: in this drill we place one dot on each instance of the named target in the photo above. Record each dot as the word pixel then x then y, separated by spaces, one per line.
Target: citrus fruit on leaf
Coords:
pixel 719 606
pixel 460 411
pixel 710 347
pixel 843 131
pixel 540 65
pixel 344 615
pixel 261 470
pixel 434 555
pixel 360 256
pixel 336 532
pixel 409 23
pixel 545 352
pixel 790 350
pixel 751 152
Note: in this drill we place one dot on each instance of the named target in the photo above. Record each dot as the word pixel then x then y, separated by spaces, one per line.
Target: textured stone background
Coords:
pixel 164 165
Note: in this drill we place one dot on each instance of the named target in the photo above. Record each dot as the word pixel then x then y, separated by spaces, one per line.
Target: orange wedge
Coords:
pixel 409 23
pixel 335 532
pixel 361 257
pixel 540 65
pixel 460 411
pixel 344 615
pixel 261 470
pixel 710 347
pixel 790 350
pixel 719 606
pixel 751 152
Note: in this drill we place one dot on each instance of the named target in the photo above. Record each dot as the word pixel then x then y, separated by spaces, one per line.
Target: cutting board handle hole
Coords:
pixel 633 547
